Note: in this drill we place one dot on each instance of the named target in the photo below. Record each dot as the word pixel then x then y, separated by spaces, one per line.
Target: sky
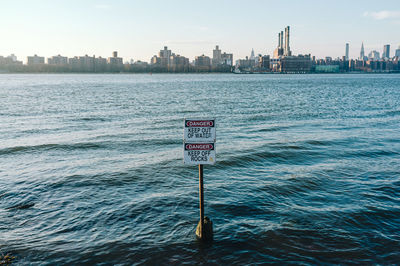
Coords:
pixel 139 29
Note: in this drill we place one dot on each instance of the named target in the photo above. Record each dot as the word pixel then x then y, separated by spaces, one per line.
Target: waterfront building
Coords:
pixel 86 63
pixel 246 64
pixel 374 55
pixel 162 61
pixel 386 51
pixel 57 60
pixel 227 59
pixel 347 52
pixel 202 63
pixel 217 58
pixel 100 64
pixel 264 62
pixel 35 60
pixel 165 55
pixel 221 61
pixel 9 60
pixel 115 62
pixel 294 64
pixel 178 63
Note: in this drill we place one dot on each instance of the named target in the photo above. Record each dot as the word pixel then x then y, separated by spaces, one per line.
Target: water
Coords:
pixel 308 169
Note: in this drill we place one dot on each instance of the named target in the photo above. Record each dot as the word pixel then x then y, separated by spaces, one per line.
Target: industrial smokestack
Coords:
pixel 287 47
pixel 281 40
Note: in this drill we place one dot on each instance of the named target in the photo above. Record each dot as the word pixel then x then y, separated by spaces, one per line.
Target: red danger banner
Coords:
pixel 199 123
pixel 199 146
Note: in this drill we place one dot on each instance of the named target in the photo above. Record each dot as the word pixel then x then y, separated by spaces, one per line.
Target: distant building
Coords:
pixel 9 60
pixel 347 52
pixel 178 63
pixel 57 60
pixel 362 55
pixel 294 64
pixel 227 59
pixel 86 63
pixel 115 62
pixel 202 63
pixel 217 59
pixel 165 56
pixel 246 64
pixel 374 55
pixel 264 62
pixel 35 60
pixel 100 64
pixel 252 56
pixel 221 61
pixel 162 61
pixel 386 51
pixel 397 53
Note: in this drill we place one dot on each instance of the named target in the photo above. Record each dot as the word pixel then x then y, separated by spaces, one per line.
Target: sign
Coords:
pixel 199 130
pixel 199 153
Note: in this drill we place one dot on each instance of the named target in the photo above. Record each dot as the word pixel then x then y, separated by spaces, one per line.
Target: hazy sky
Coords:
pixel 139 29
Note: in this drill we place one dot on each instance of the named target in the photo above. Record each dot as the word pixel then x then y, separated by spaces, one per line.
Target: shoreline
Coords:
pixel 197 73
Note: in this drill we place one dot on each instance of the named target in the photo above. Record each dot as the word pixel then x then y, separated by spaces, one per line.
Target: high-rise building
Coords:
pixel 203 63
pixel 386 51
pixel 216 60
pixel 397 53
pixel 57 60
pixel 165 56
pixel 115 62
pixel 347 52
pixel 374 55
pixel 252 56
pixel 178 63
pixel 227 59
pixel 362 55
pixel 35 60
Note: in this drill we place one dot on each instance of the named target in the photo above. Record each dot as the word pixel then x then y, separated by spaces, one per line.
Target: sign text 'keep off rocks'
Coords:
pixel 199 153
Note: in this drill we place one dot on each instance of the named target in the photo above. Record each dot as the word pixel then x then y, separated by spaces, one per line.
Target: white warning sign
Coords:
pixel 199 130
pixel 199 153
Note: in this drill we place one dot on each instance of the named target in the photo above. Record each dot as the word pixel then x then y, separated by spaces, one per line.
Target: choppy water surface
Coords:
pixel 308 169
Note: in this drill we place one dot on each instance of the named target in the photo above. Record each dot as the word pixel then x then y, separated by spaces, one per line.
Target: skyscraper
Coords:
pixel 386 51
pixel 252 56
pixel 216 60
pixel 397 54
pixel 373 55
pixel 347 52
pixel 362 52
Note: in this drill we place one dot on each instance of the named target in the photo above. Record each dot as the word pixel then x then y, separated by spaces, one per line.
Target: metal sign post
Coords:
pixel 199 149
pixel 201 194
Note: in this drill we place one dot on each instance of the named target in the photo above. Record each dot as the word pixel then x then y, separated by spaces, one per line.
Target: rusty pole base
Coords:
pixel 207 233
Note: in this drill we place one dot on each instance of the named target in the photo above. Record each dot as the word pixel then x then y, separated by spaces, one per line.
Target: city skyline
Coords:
pixel 138 30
